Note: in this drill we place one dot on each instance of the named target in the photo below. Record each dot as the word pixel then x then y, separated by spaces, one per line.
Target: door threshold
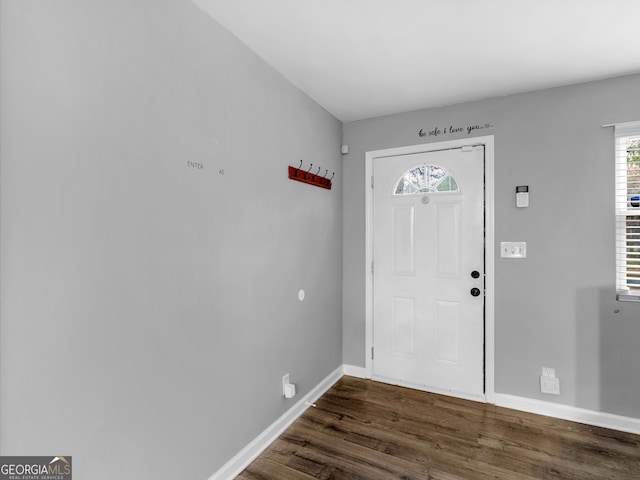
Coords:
pixel 476 397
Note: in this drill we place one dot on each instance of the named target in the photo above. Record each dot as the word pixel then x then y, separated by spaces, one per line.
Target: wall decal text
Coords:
pixel 196 165
pixel 451 129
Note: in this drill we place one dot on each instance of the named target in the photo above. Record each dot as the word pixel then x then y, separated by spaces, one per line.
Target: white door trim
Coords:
pixel 489 347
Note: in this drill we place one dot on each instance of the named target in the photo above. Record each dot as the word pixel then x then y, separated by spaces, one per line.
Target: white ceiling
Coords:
pixel 366 58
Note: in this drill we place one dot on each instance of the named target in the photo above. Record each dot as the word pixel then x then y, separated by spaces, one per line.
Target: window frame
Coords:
pixel 624 210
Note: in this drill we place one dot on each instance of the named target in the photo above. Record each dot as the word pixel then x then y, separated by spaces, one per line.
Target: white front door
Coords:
pixel 428 280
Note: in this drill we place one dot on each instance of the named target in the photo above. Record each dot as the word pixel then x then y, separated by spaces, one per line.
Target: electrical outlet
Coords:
pixel 550 385
pixel 288 388
pixel 548 381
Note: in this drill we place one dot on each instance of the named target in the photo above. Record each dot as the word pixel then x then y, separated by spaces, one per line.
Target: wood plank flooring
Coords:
pixel 368 430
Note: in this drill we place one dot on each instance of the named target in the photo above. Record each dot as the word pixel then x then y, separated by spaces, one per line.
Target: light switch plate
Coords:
pixel 513 249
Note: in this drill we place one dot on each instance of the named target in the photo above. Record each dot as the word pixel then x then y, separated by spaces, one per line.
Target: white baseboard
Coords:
pixel 567 412
pixel 248 454
pixel 353 371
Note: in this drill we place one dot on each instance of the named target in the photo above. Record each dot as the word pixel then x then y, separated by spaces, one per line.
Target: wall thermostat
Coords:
pixel 522 196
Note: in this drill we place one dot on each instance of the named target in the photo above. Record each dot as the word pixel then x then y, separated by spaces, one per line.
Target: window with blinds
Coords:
pixel 628 211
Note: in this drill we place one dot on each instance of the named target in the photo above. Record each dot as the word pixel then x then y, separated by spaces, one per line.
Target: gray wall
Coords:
pixel 557 308
pixel 149 308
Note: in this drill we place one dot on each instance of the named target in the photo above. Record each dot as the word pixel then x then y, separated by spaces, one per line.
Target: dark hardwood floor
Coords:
pixel 367 430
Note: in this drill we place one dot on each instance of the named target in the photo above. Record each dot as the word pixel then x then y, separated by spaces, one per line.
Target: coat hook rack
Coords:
pixel 305 176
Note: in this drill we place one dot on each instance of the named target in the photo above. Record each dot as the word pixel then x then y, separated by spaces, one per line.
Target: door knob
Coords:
pixel 475 291
pixel 475 274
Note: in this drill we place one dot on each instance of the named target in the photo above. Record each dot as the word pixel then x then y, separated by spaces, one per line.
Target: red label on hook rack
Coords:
pixel 310 178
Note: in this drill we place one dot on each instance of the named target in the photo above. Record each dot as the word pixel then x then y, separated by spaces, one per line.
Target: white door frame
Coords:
pixel 489 346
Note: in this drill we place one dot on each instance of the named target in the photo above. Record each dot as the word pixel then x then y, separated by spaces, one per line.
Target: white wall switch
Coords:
pixel 513 249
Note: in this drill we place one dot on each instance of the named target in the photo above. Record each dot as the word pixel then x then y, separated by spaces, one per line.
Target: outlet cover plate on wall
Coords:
pixel 550 385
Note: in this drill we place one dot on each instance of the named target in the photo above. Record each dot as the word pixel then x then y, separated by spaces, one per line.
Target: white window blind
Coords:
pixel 627 136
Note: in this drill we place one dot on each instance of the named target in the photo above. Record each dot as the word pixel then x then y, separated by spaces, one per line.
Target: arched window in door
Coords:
pixel 425 179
